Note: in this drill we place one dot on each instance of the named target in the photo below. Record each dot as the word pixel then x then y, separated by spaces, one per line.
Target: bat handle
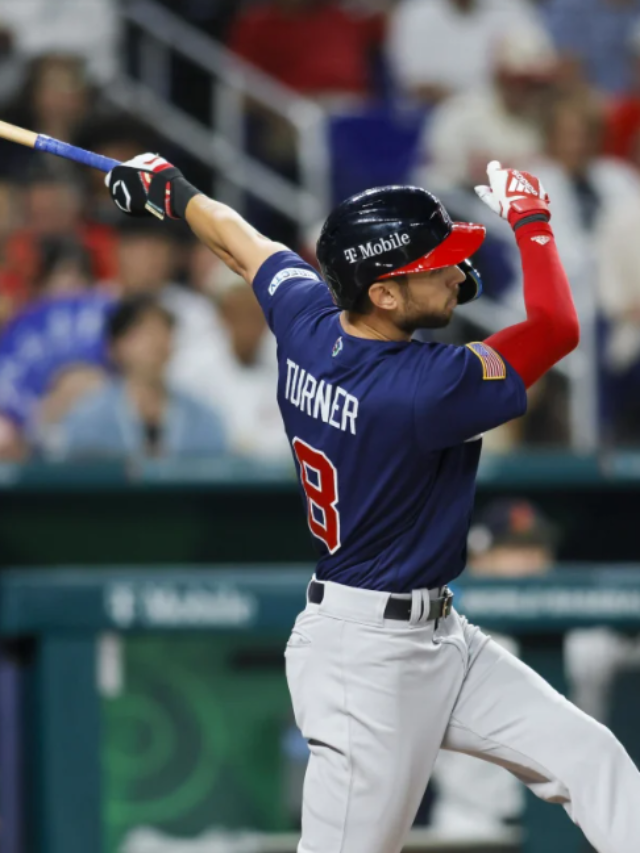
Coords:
pixel 72 152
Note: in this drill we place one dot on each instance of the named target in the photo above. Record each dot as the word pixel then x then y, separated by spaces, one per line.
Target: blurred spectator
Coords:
pixel 66 388
pixel 53 212
pixel 511 538
pixel 317 47
pixel 138 414
pixel 618 283
pixel 594 34
pixel 49 338
pixel 204 269
pixel 622 131
pixel 12 65
pixel 584 187
pixel 148 256
pixel 247 384
pixel 440 47
pixel 88 28
pixel 498 122
pixel 56 100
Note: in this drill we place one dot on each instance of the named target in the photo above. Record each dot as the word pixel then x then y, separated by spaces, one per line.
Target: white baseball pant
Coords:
pixel 376 699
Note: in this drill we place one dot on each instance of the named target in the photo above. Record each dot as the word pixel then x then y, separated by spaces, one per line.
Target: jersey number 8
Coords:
pixel 320 483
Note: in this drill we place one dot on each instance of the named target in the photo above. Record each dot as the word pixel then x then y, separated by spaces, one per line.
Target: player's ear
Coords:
pixel 384 294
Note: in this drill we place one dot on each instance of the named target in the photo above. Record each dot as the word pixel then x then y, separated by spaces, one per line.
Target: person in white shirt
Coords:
pixel 440 47
pixel 500 119
pixel 89 28
pixel 587 187
pixel 245 393
pixel 618 296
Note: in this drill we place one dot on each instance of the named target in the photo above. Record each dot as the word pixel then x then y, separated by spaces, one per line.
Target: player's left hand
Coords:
pixel 514 195
pixel 149 184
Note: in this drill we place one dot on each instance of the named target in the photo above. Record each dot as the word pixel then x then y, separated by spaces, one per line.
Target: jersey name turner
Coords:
pixel 320 399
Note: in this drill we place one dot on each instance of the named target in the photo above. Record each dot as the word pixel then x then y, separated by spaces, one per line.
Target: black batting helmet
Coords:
pixel 392 231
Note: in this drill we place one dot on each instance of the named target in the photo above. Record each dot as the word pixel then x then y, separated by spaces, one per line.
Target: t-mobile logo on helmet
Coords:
pixel 384 244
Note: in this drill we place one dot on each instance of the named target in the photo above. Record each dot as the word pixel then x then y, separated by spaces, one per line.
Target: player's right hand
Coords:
pixel 514 195
pixel 149 184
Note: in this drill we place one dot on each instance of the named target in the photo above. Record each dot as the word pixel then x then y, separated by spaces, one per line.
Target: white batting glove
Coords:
pixel 150 184
pixel 514 195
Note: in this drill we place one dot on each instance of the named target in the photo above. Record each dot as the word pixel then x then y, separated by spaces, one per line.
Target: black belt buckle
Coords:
pixel 447 603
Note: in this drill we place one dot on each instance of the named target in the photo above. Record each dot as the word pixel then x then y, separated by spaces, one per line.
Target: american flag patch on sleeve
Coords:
pixel 493 367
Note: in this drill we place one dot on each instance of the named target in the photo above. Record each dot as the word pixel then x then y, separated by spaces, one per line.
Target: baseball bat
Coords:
pixel 40 142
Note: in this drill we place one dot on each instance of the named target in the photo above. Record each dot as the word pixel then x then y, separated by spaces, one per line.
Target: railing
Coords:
pixel 222 145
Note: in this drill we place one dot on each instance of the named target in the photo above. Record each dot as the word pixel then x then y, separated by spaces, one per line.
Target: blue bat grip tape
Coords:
pixel 71 152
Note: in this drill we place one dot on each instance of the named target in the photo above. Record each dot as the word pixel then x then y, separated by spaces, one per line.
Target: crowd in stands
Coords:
pixel 121 337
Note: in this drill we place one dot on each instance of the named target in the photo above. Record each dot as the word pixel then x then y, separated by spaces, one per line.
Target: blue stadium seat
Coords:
pixel 373 147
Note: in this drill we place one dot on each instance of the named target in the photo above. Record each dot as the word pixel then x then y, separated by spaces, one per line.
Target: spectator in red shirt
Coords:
pixel 53 209
pixel 313 46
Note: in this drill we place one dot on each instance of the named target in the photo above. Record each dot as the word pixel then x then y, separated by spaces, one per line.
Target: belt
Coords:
pixel 397 608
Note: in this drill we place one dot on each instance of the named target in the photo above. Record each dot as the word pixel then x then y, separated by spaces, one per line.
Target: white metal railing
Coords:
pixel 222 145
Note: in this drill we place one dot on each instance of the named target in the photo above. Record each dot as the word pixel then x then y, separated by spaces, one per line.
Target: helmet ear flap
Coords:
pixel 471 287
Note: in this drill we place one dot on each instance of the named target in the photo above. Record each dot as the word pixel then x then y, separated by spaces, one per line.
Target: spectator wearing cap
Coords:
pixel 137 414
pixel 497 122
pixel 511 538
pixel 595 35
pixel 443 47
pixel 586 187
pixel 500 120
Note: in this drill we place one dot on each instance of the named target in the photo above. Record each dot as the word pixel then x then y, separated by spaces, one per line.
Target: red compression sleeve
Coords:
pixel 551 329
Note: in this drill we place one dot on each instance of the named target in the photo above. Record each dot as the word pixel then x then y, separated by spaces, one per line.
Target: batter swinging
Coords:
pixel 386 434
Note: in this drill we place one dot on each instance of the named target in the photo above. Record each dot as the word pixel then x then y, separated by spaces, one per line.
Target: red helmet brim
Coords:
pixel 464 240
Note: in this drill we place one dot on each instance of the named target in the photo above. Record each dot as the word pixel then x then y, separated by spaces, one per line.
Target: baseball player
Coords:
pixel 386 434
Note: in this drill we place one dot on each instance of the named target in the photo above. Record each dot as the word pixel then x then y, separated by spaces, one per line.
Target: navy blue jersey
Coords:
pixel 386 435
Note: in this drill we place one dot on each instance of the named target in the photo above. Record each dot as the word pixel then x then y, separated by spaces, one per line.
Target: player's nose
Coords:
pixel 457 278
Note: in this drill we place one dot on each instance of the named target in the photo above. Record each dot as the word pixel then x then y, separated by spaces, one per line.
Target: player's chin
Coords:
pixel 442 318
pixel 436 321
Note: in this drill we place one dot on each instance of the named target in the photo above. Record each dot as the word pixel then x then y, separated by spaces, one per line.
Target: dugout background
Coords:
pixel 197 733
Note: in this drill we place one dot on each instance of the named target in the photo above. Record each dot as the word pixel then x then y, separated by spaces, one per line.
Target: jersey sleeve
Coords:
pixel 463 392
pixel 287 287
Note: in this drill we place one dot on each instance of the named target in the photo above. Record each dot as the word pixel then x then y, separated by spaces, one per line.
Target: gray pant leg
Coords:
pixel 509 715
pixel 373 703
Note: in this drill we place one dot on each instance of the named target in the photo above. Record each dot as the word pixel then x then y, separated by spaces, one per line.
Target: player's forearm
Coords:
pixel 150 184
pixel 551 330
pixel 229 236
